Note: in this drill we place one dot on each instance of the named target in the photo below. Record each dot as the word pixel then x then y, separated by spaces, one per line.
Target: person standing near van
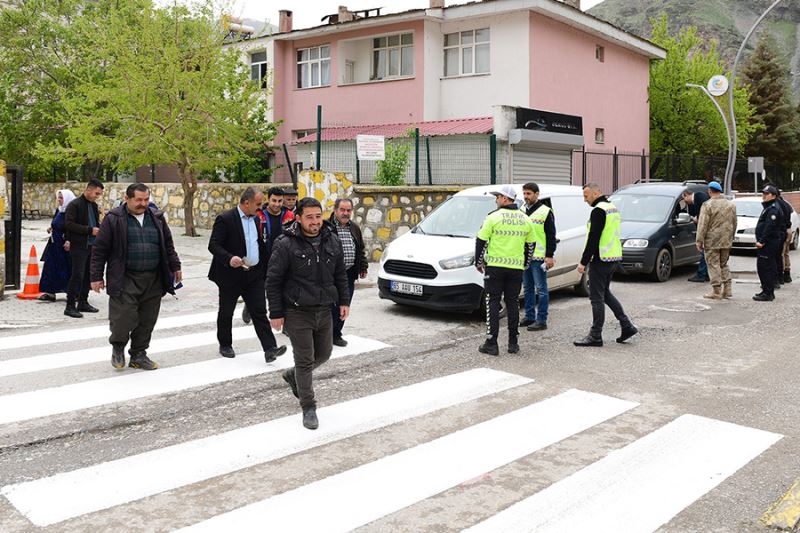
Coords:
pixel 534 278
pixel 602 254
pixel 769 239
pixel 503 250
pixel 715 232
pixel 694 202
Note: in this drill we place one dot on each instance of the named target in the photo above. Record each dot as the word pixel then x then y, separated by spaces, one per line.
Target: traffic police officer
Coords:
pixel 769 233
pixel 604 251
pixel 503 250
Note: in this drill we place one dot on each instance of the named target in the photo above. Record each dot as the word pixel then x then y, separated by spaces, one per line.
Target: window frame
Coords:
pixel 263 68
pixel 472 46
pixel 399 47
pixel 311 61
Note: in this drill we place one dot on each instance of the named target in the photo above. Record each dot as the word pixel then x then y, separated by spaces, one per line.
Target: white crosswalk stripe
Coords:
pixel 636 488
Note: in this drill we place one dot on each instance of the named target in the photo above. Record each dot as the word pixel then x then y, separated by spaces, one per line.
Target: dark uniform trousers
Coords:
pixel 338 323
pixel 779 259
pixel 309 329
pixel 502 283
pixel 252 292
pixel 133 314
pixel 78 287
pixel 767 266
pixel 600 274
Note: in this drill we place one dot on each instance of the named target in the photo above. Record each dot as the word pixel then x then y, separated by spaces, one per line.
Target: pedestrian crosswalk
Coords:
pixel 636 487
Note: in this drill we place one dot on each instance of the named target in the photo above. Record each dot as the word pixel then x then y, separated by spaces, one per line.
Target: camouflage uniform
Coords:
pixel 715 230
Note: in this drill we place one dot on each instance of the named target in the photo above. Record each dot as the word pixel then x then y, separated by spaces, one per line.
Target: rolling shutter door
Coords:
pixel 542 166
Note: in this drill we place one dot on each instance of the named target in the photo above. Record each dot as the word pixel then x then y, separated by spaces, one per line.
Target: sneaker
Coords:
pixel 73 312
pixel 588 340
pixel 489 348
pixel 763 297
pixel 288 377
pixel 270 354
pixel 338 341
pixel 310 420
pixel 526 322
pixel 537 326
pixel 513 346
pixel 118 357
pixel 246 318
pixel 86 307
pixel 627 333
pixel 140 360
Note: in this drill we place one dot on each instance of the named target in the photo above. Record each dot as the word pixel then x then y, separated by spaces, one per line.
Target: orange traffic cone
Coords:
pixel 31 290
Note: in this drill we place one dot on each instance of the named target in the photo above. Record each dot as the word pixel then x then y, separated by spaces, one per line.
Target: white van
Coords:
pixel 433 265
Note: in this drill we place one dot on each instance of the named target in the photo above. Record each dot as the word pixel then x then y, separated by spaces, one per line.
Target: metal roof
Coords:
pixel 435 128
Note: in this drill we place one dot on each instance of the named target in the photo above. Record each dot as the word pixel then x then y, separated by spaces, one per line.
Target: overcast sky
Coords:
pixel 308 13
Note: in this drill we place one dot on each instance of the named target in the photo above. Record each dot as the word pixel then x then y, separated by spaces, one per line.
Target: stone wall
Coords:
pixel 388 212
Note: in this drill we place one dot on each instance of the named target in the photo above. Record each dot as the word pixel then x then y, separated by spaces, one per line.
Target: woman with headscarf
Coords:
pixel 57 265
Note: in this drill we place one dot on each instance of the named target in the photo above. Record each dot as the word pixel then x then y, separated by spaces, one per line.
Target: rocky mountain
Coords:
pixel 727 21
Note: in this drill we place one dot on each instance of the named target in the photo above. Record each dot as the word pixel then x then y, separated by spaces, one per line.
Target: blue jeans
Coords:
pixel 534 280
pixel 702 267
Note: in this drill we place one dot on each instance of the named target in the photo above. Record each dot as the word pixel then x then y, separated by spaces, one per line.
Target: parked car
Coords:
pixel 656 232
pixel 748 209
pixel 433 265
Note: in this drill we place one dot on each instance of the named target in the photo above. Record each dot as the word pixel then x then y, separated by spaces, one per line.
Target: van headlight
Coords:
pixel 749 231
pixel 385 254
pixel 462 261
pixel 636 243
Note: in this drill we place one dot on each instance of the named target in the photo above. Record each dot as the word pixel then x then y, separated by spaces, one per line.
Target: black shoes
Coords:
pixel 227 351
pixel 47 297
pixel 338 341
pixel 489 348
pixel 118 357
pixel 73 312
pixel 537 326
pixel 699 279
pixel 246 318
pixel 588 340
pixel 310 418
pixel 288 377
pixel 627 333
pixel 513 346
pixel 787 278
pixel 526 322
pixel 763 297
pixel 273 353
pixel 86 307
pixel 141 361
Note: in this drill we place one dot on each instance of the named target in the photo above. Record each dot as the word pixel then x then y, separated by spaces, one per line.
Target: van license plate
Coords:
pixel 406 288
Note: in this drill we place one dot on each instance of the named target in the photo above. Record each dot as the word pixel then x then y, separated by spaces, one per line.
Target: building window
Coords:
pixel 392 56
pixel 600 53
pixel 466 53
pixel 258 68
pixel 299 134
pixel 599 135
pixel 314 67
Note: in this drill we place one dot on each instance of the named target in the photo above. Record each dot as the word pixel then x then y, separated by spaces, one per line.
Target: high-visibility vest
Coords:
pixel 506 231
pixel 538 218
pixel 610 248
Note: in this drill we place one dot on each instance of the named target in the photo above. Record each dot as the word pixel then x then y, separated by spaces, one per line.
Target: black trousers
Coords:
pixel 309 329
pixel 502 283
pixel 600 274
pixel 779 261
pixel 78 287
pixel 133 314
pixel 338 324
pixel 767 266
pixel 252 292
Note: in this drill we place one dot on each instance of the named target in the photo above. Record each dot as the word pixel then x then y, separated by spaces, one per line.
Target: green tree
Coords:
pixel 682 120
pixel 392 170
pixel 770 88
pixel 170 94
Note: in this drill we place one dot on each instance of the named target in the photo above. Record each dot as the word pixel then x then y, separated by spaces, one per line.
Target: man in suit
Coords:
pixel 81 225
pixel 239 268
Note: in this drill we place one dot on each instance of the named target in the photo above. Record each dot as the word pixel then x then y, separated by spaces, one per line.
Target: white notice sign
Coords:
pixel 370 147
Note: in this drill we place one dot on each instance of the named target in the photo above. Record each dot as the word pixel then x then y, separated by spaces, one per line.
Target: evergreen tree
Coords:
pixel 768 79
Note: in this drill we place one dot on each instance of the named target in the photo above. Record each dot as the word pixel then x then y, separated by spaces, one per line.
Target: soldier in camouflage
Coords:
pixel 715 229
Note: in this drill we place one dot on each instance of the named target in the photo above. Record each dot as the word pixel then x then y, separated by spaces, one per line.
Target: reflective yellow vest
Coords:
pixel 610 244
pixel 506 231
pixel 538 218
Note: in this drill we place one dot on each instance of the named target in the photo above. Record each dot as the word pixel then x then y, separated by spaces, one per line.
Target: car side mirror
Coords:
pixel 683 218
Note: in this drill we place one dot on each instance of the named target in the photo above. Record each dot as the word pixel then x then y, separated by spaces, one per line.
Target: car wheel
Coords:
pixel 582 288
pixel 663 266
pixel 795 240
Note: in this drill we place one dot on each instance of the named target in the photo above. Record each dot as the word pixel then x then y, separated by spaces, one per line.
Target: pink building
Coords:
pixel 471 61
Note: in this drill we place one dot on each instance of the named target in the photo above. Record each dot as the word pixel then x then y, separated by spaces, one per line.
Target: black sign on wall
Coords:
pixel 536 120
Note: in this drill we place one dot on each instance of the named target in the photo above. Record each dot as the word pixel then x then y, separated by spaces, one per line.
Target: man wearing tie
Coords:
pixel 238 270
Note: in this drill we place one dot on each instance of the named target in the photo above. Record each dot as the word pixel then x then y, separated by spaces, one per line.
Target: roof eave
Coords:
pixel 383 20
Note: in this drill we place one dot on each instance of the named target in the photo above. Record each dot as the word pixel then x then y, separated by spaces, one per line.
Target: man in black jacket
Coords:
pixel 769 233
pixel 81 225
pixel 136 244
pixel 306 276
pixel 783 263
pixel 239 268
pixel 694 201
pixel 355 257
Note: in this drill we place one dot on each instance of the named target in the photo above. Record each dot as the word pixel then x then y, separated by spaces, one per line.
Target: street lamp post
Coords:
pixel 732 149
pixel 721 114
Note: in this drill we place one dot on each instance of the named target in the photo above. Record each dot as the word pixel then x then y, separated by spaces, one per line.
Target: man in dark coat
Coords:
pixel 306 276
pixel 769 239
pixel 134 246
pixel 81 226
pixel 239 268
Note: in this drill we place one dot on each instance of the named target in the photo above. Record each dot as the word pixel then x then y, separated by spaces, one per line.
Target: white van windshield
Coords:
pixel 460 216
